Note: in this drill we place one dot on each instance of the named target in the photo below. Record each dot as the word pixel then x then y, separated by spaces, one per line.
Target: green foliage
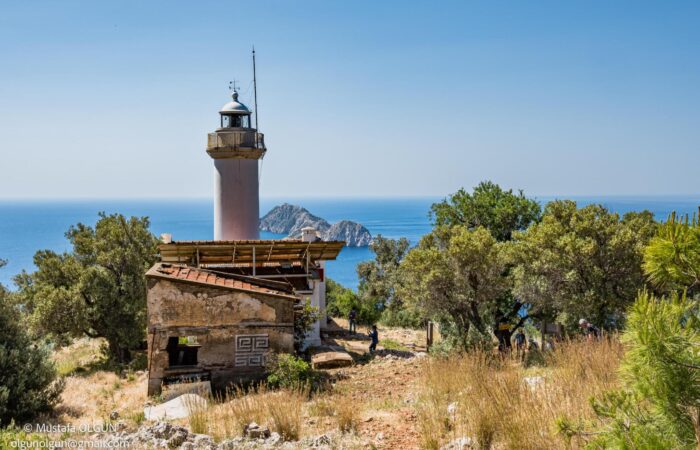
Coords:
pixel 288 371
pixel 98 289
pixel 304 318
pixel 455 275
pixel 378 277
pixel 391 344
pixel 12 435
pixel 657 406
pixel 501 212
pixel 341 300
pixel 672 259
pixel 28 381
pixel 406 316
pixel 581 263
pixel 662 362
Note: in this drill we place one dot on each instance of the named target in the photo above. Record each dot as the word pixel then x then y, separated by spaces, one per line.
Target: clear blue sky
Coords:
pixel 357 98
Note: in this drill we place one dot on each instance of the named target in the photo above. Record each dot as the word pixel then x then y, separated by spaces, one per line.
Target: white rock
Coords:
pixel 534 382
pixel 177 408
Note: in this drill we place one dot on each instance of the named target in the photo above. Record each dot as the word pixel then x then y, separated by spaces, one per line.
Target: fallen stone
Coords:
pixel 177 408
pixel 178 438
pixel 203 442
pixel 274 439
pixel 255 431
pixel 320 441
pixel 331 359
pixel 161 430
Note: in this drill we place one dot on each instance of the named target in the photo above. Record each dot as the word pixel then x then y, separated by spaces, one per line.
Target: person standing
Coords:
pixel 520 343
pixel 352 319
pixel 374 335
pixel 591 331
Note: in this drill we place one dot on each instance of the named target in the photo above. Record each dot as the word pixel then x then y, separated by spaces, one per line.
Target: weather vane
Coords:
pixel 232 86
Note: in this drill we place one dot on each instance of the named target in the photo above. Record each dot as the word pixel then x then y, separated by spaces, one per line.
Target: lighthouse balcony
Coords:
pixel 236 143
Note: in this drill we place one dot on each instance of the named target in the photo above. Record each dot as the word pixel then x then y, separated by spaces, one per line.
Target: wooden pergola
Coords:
pixel 254 253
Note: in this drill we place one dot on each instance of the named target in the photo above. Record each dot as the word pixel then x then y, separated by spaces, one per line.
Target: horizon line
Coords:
pixel 338 197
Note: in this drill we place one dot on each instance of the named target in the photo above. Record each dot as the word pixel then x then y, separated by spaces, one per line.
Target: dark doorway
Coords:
pixel 182 351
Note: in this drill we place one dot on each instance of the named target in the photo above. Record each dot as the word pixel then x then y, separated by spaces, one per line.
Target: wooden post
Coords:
pixel 429 335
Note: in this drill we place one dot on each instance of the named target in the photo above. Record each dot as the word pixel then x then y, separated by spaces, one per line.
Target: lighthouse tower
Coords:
pixel 236 147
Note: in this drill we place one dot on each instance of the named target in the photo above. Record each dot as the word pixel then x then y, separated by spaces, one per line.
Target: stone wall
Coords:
pixel 235 330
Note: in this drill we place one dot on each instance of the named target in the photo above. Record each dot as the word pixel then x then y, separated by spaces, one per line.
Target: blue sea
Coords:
pixel 30 225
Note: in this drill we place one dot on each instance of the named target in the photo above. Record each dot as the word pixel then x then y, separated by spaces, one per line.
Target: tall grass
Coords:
pixel 226 416
pixel 498 403
pixel 285 409
pixel 347 413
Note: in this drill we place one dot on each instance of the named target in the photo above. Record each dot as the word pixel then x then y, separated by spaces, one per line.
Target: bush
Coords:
pixel 28 380
pixel 288 371
pixel 404 317
pixel 341 300
pixel 304 319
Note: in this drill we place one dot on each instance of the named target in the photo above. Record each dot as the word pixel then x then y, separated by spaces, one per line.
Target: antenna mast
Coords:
pixel 255 91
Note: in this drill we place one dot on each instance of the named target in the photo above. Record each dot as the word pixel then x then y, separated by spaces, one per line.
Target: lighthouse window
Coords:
pixel 225 121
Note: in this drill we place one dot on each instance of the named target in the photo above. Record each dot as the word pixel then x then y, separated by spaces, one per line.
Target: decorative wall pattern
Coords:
pixel 251 350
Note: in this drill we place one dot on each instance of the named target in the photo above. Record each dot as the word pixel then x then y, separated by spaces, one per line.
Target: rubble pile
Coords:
pixel 168 436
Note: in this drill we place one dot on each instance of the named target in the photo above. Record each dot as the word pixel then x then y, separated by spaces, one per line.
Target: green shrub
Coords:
pixel 12 437
pixel 304 318
pixel 288 371
pixel 28 380
pixel 391 344
pixel 341 300
pixel 404 317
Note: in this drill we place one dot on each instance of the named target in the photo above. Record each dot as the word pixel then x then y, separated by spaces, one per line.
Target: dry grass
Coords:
pixel 285 409
pixel 227 416
pixel 490 400
pixel 92 398
pixel 347 413
pixel 77 356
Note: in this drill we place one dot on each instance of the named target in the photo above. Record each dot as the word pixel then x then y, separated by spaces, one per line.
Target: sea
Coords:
pixel 30 225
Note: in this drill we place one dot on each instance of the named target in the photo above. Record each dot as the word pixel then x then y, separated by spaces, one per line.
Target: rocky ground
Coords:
pixel 382 387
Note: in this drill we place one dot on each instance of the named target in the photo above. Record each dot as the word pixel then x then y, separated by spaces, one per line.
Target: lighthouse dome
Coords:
pixel 234 106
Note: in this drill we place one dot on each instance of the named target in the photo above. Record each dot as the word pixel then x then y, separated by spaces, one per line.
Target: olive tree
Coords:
pixel 456 275
pixel 581 262
pixel 98 289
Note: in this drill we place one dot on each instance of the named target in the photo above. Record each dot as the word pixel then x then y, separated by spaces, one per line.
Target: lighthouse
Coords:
pixel 236 147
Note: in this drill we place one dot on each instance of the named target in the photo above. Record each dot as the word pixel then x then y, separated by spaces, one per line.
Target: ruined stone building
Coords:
pixel 218 309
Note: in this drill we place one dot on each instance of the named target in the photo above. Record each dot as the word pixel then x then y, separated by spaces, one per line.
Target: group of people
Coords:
pixel 590 331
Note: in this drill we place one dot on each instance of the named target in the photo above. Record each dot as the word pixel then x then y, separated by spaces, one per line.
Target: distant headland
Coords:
pixel 290 219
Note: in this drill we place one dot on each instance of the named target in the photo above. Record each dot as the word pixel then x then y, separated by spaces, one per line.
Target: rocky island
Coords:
pixel 290 219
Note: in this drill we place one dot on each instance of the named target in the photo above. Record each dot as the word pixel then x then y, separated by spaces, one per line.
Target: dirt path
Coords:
pixel 384 392
pixel 385 387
